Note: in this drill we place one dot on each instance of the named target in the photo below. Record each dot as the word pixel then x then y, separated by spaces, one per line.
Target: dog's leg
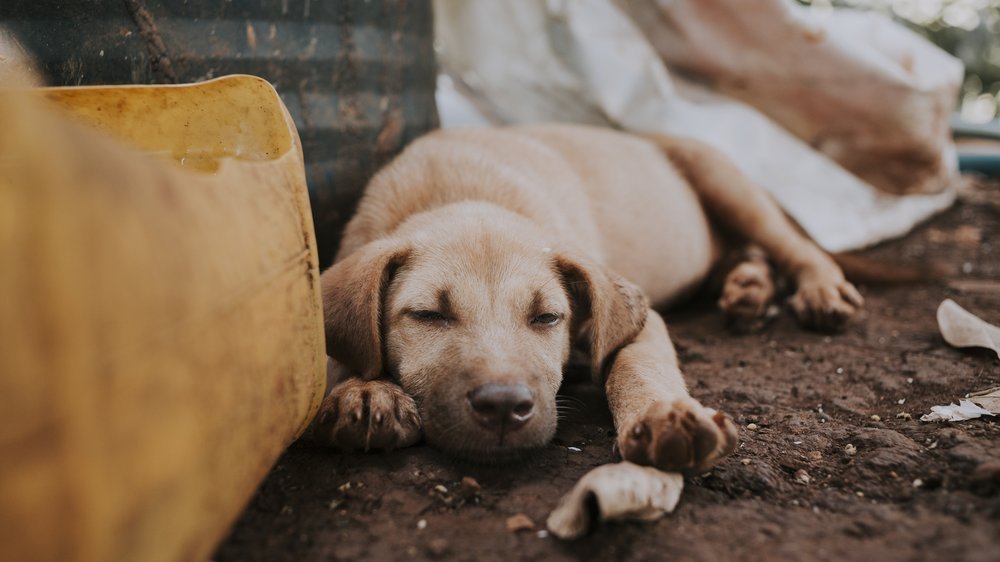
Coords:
pixel 824 299
pixel 748 291
pixel 658 422
pixel 366 415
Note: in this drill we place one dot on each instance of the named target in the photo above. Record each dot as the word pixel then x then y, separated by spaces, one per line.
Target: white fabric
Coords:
pixel 587 61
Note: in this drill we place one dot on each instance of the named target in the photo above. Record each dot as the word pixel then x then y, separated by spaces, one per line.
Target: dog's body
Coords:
pixel 478 257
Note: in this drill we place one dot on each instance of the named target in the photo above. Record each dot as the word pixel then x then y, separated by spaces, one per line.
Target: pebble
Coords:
pixel 850 449
pixel 904 416
pixel 574 449
pixel 745 461
pixel 438 547
pixel 441 489
pixel 802 477
pixel 751 426
pixel 422 524
pixel 542 534
pixel 520 522
pixel 470 488
pixel 876 418
pixel 918 483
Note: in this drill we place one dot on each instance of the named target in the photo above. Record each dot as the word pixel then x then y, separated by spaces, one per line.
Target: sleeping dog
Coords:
pixel 479 258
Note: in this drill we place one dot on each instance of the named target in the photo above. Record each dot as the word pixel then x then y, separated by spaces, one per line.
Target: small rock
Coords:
pixel 520 522
pixel 876 418
pixel 918 483
pixel 422 524
pixel 574 449
pixel 802 477
pixel 542 534
pixel 850 449
pixel 745 461
pixel 470 488
pixel 438 547
pixel 344 487
pixel 441 489
pixel 751 426
pixel 904 416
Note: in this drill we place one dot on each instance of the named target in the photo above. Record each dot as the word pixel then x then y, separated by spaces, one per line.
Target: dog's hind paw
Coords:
pixel 683 436
pixel 747 295
pixel 367 415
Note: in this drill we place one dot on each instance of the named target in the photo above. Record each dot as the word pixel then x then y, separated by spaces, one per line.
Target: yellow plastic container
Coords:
pixel 161 333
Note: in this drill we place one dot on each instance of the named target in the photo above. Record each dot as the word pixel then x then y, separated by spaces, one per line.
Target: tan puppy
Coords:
pixel 478 257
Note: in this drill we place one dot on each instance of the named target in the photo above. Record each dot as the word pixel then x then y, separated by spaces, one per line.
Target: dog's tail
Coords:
pixel 870 271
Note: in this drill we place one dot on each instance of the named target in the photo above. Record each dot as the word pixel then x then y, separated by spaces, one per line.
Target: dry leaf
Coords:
pixel 520 522
pixel 615 491
pixel 964 410
pixel 961 328
pixel 989 399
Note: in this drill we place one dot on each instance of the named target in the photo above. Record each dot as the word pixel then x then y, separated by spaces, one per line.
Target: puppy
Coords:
pixel 478 258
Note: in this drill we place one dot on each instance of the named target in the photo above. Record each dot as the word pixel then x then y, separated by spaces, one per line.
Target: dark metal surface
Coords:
pixel 357 76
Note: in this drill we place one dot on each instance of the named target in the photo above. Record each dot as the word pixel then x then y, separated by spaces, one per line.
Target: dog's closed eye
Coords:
pixel 547 319
pixel 428 316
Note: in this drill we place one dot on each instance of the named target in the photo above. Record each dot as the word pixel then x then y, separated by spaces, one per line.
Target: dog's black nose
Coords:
pixel 502 407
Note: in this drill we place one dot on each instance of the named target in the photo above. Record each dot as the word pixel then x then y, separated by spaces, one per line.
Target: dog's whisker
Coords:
pixel 570 402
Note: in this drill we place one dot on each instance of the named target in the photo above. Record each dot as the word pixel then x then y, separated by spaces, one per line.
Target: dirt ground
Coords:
pixel 911 491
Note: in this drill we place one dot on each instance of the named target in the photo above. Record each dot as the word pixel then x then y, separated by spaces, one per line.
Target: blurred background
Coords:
pixel 968 29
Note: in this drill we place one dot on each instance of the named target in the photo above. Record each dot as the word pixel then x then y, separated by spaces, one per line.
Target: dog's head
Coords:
pixel 474 319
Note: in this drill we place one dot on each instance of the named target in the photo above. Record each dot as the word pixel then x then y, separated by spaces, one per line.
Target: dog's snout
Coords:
pixel 502 407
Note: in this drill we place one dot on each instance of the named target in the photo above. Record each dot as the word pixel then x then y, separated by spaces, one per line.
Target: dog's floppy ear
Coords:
pixel 615 308
pixel 353 295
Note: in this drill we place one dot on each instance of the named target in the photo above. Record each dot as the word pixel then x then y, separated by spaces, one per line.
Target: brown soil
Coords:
pixel 912 490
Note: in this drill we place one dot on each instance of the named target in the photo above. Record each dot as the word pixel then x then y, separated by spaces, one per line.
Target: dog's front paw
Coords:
pixel 680 437
pixel 367 415
pixel 825 305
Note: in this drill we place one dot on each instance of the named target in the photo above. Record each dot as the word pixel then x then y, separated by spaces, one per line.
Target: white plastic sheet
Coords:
pixel 884 103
